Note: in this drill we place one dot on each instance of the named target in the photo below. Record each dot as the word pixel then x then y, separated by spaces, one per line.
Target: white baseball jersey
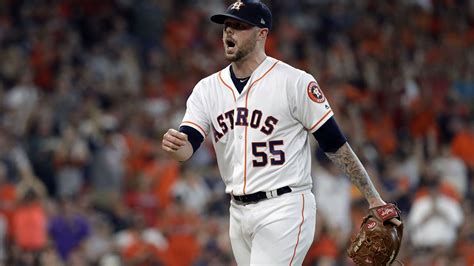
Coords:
pixel 261 134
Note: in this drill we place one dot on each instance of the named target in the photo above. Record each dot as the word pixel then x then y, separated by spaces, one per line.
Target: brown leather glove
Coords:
pixel 378 240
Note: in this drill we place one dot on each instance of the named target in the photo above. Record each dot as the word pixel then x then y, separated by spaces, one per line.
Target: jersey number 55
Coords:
pixel 277 156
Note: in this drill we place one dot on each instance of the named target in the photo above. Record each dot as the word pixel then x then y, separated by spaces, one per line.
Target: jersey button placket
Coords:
pixel 239 131
pixel 239 143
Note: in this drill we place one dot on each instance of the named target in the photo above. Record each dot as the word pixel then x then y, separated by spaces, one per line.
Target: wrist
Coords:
pixel 375 202
pixel 183 154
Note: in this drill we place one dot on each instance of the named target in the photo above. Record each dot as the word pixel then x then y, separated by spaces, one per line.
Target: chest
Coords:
pixel 261 106
pixel 259 98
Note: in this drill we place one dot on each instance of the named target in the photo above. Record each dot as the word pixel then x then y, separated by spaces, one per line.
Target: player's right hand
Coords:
pixel 173 140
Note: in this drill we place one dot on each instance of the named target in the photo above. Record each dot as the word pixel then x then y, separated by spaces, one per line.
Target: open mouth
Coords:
pixel 230 43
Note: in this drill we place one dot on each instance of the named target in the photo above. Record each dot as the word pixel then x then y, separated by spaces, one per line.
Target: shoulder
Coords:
pixel 282 66
pixel 211 81
pixel 297 81
pixel 206 85
pixel 208 80
pixel 292 73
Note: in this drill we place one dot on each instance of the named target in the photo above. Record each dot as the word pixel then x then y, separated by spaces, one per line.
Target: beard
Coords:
pixel 241 52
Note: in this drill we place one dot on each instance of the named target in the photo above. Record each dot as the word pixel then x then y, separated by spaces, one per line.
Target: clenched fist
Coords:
pixel 177 145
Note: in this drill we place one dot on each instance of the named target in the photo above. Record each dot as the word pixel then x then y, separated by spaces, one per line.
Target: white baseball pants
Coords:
pixel 277 231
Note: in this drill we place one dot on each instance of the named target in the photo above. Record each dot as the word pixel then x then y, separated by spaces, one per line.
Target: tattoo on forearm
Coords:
pixel 347 160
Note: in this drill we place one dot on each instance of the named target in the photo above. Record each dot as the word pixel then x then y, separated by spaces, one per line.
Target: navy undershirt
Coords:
pixel 238 83
pixel 329 136
pixel 194 137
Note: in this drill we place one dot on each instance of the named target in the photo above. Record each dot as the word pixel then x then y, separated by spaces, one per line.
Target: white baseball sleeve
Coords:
pixel 309 105
pixel 196 112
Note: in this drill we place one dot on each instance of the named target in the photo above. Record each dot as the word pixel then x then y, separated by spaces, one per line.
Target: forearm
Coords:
pixel 349 163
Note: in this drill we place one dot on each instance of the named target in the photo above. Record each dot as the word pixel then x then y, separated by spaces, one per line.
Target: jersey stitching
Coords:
pixel 320 120
pixel 246 106
pixel 225 84
pixel 202 131
pixel 245 161
pixel 299 231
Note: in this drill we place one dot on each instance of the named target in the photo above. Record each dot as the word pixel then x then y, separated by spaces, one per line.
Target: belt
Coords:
pixel 258 196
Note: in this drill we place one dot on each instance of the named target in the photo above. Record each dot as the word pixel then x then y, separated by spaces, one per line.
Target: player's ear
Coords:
pixel 262 33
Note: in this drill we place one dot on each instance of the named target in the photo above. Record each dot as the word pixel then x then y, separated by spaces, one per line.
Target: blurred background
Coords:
pixel 88 88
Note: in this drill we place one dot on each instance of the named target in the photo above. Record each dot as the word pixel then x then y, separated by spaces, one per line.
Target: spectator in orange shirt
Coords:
pixel 141 245
pixel 463 143
pixel 29 222
pixel 324 250
pixel 181 227
pixel 29 228
pixel 7 196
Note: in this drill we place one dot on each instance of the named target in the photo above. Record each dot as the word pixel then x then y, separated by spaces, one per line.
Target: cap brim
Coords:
pixel 220 18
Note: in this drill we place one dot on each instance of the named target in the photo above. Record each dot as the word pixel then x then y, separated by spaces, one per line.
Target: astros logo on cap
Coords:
pixel 237 5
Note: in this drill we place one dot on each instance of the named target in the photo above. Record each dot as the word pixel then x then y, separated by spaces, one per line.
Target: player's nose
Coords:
pixel 228 29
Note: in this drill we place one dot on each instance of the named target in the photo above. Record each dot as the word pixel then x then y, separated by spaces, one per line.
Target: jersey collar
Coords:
pixel 257 73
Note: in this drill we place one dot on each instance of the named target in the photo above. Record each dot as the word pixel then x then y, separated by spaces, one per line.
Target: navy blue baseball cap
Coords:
pixel 254 13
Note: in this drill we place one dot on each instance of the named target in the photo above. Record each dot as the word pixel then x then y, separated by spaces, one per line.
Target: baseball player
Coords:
pixel 259 111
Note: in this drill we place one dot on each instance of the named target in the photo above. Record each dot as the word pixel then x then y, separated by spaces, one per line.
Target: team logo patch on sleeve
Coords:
pixel 315 93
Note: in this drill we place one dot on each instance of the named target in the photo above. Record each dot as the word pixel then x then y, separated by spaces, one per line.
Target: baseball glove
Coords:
pixel 378 240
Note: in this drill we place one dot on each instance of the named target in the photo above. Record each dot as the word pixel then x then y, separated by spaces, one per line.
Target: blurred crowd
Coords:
pixel 87 89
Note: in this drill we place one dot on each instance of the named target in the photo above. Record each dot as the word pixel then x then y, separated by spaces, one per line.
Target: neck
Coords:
pixel 245 67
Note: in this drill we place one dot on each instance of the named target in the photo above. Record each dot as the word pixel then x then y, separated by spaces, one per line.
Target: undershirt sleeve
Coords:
pixel 194 137
pixel 329 136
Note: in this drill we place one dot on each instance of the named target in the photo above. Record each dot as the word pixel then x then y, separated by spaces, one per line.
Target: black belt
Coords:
pixel 258 196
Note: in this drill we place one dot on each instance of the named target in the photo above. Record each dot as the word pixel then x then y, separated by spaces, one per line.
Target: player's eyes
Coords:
pixel 241 26
pixel 237 26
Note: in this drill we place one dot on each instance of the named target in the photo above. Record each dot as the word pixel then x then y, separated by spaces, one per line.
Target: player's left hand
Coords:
pixel 379 202
pixel 377 242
